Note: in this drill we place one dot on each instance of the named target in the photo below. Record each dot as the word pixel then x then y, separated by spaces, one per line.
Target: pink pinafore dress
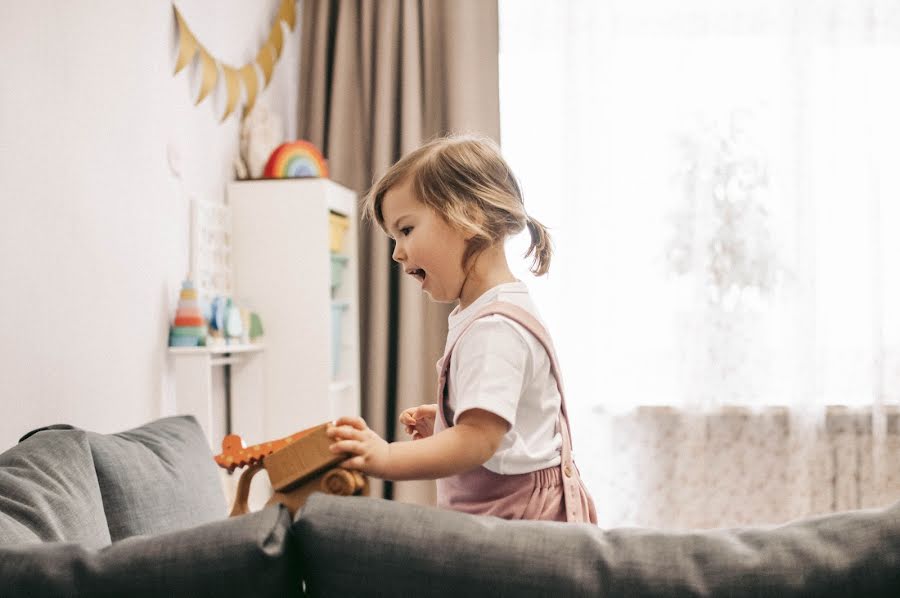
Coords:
pixel 553 494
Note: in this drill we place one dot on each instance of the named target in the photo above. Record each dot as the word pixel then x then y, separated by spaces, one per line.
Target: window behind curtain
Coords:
pixel 721 185
pixel 721 181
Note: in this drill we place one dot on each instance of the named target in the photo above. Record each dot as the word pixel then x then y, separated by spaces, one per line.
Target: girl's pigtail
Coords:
pixel 540 249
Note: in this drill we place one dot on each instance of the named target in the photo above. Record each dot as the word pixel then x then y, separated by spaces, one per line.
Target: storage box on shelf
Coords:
pixel 294 254
pixel 337 230
pixel 338 265
pixel 338 225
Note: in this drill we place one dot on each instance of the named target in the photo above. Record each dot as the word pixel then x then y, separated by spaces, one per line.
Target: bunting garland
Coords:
pixel 234 78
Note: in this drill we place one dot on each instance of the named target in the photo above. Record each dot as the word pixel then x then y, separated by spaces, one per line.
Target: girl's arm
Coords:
pixel 472 441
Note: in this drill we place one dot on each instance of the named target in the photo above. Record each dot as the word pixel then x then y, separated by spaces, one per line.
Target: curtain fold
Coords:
pixel 378 79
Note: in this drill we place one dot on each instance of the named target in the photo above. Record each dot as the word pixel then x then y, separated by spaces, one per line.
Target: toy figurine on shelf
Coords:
pixel 234 326
pixel 256 327
pixel 189 328
pixel 298 465
pixel 216 321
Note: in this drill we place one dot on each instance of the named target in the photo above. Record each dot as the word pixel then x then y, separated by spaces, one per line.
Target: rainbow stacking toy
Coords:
pixel 190 327
pixel 295 159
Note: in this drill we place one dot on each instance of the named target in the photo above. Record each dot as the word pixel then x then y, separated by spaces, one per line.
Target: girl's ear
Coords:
pixel 478 217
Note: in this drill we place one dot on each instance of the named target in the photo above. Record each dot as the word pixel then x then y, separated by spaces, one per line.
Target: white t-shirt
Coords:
pixel 500 367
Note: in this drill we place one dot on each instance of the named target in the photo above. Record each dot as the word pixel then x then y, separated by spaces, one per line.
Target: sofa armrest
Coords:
pixel 368 547
pixel 252 555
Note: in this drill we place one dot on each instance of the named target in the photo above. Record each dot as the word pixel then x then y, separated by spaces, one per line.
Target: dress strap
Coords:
pixel 521 316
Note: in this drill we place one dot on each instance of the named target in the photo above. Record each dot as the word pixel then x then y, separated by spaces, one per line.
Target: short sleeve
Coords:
pixel 488 369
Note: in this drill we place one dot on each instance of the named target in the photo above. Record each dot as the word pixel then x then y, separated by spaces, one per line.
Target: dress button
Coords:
pixel 568 471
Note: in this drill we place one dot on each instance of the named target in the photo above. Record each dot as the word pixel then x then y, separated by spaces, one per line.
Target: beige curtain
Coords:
pixel 378 78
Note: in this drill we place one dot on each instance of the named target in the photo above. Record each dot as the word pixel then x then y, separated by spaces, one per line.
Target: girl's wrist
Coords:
pixel 386 467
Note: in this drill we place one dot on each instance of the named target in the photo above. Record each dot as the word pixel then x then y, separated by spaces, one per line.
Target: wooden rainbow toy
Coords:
pixel 189 329
pixel 295 159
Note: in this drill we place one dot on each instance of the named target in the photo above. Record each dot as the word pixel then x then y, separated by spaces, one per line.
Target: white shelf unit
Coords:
pixel 281 262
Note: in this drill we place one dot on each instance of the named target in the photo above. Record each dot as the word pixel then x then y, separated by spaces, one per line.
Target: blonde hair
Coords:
pixel 466 180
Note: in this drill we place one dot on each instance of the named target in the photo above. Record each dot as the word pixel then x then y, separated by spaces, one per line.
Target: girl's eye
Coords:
pixel 405 231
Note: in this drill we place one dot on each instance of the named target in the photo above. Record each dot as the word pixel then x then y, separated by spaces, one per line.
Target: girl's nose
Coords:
pixel 399 255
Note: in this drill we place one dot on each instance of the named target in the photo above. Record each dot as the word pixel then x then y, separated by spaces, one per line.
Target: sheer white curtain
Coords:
pixel 722 180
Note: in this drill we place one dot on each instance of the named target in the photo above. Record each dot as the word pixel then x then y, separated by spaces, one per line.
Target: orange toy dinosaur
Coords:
pixel 298 465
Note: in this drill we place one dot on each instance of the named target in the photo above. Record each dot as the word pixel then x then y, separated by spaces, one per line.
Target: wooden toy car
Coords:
pixel 297 465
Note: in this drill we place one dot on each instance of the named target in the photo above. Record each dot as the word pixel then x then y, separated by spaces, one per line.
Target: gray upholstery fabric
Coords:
pixel 157 478
pixel 246 556
pixel 366 547
pixel 49 492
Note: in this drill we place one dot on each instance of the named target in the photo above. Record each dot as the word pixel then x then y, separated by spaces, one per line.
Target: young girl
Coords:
pixel 497 440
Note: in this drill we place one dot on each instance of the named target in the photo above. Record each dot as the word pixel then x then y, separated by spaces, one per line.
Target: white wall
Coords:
pixel 93 221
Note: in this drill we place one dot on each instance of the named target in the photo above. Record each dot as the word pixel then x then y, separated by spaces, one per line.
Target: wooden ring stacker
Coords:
pixel 298 465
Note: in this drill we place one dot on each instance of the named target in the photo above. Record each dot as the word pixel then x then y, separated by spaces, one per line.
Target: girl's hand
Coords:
pixel 419 421
pixel 370 452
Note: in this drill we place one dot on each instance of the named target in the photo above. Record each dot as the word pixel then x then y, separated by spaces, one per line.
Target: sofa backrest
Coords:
pixel 157 478
pixel 49 491
pixel 352 546
pixel 93 489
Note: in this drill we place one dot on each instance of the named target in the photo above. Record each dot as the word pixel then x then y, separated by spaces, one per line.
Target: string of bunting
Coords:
pixel 268 55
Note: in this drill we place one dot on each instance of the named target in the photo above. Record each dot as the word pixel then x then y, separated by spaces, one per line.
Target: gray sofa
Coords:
pixel 141 513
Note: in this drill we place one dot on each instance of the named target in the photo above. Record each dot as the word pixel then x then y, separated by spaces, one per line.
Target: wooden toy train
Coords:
pixel 298 465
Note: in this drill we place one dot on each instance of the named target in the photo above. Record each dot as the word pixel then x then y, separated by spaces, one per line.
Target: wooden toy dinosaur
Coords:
pixel 235 454
pixel 298 465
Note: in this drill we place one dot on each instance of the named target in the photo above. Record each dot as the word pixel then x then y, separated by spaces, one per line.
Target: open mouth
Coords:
pixel 417 273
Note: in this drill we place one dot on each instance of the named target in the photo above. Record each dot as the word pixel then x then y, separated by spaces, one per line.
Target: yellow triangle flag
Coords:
pixel 276 38
pixel 187 43
pixel 251 84
pixel 232 87
pixel 287 13
pixel 266 61
pixel 210 74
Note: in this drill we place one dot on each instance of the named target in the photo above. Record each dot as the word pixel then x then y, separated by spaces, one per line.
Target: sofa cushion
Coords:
pixel 49 492
pixel 157 478
pixel 247 556
pixel 368 547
